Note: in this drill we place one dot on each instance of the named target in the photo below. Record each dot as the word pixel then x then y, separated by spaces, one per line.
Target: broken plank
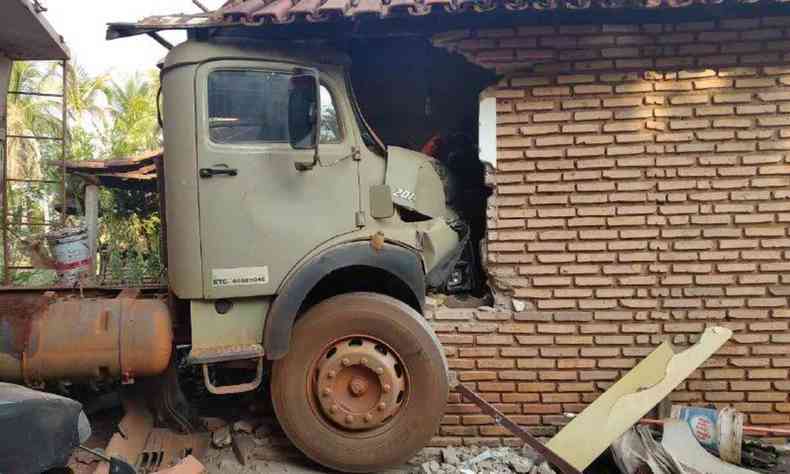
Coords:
pixel 594 429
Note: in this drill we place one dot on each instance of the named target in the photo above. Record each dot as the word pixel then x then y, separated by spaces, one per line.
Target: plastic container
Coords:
pixel 71 252
pixel 720 432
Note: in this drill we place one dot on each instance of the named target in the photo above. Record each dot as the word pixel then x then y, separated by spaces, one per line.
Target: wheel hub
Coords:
pixel 360 383
pixel 358 386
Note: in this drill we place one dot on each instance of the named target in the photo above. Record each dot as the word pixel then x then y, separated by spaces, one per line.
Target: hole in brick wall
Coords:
pixel 423 98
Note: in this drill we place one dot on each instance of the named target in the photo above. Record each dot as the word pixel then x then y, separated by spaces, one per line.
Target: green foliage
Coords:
pixel 132 125
pixel 107 119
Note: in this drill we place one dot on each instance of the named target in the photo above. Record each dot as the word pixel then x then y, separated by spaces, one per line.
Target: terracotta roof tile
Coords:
pixel 266 12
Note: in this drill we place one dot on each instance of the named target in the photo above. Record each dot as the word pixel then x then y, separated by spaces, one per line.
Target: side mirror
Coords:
pixel 303 118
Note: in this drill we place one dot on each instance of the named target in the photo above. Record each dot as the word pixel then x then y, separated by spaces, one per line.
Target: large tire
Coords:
pixel 407 337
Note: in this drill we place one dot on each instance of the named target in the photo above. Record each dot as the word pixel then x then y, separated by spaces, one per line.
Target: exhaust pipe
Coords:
pixel 43 338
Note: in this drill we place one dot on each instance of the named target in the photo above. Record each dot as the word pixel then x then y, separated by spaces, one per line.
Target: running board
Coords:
pixel 238 388
pixel 206 356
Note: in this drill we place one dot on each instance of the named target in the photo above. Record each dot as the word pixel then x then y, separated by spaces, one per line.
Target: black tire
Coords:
pixel 399 327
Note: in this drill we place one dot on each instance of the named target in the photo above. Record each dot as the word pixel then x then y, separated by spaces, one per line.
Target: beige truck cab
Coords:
pixel 298 237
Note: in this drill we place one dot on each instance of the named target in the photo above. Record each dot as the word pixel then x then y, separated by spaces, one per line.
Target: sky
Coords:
pixel 83 24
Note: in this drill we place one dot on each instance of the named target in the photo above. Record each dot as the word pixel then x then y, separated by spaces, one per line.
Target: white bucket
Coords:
pixel 72 253
pixel 720 432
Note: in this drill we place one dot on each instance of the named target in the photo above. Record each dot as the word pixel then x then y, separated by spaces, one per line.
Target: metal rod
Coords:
pixel 35 137
pixel 64 132
pixel 4 172
pixel 21 223
pixel 156 36
pixel 96 453
pixel 20 180
pixel 39 94
pixel 531 441
pixel 201 6
pixel 746 428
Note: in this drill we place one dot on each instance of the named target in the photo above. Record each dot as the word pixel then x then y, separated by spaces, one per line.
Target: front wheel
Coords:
pixel 364 384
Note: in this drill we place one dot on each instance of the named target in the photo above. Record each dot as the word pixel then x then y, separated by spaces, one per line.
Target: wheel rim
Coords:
pixel 360 384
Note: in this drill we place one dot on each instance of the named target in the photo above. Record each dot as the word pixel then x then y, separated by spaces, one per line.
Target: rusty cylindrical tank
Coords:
pixel 43 338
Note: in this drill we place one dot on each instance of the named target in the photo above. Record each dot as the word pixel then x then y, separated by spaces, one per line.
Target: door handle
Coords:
pixel 210 172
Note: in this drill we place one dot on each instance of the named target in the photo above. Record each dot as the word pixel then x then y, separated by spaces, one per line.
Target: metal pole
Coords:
pixel 3 175
pixel 92 221
pixel 63 143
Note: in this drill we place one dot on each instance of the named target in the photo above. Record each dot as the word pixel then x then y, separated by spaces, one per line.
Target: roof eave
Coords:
pixel 25 34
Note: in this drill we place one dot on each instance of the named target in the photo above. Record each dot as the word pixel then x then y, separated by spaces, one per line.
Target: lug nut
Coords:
pixel 333 409
pixel 363 361
pixel 327 391
pixel 345 362
pixel 382 406
pixel 349 419
pixel 379 370
pixel 331 374
pixel 368 418
pixel 386 388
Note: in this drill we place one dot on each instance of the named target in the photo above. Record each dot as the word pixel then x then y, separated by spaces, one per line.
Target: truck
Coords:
pixel 298 250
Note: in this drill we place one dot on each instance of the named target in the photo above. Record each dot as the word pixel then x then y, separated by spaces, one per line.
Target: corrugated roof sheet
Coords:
pixel 272 12
pixel 135 172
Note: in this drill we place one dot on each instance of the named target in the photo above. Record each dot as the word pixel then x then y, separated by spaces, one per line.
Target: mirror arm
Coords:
pixel 308 166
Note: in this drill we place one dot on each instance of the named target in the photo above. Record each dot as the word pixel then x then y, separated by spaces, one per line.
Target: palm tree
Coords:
pixel 132 112
pixel 85 96
pixel 83 93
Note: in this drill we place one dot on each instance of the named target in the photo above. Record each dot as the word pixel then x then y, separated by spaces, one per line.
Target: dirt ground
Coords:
pixel 258 445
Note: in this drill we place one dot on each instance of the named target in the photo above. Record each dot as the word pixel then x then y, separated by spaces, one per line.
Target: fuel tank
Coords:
pixel 43 337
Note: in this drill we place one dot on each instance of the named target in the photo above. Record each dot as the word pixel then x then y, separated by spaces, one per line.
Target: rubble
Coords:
pixel 450 455
pixel 188 465
pixel 244 426
pixel 212 423
pixel 221 437
pixel 243 447
pixel 529 440
pixel 473 460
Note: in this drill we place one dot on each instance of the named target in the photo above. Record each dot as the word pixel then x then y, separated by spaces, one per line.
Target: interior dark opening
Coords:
pixel 417 96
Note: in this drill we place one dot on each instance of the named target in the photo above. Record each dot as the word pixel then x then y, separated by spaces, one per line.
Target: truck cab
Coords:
pixel 227 119
pixel 298 237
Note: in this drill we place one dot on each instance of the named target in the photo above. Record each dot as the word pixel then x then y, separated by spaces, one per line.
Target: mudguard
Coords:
pixel 402 263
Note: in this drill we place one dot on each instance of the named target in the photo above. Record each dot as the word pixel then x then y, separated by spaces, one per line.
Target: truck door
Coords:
pixel 259 215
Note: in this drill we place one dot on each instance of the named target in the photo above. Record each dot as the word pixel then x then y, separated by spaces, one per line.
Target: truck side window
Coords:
pixel 330 123
pixel 248 106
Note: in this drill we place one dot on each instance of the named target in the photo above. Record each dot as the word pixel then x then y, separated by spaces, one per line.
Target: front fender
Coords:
pixel 400 262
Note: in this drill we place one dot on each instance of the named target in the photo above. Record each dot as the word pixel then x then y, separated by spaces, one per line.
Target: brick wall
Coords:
pixel 642 193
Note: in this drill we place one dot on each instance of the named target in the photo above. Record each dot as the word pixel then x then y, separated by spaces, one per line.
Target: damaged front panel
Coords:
pixel 414 183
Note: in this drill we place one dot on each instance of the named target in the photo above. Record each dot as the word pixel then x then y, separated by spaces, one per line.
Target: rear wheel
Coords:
pixel 364 384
